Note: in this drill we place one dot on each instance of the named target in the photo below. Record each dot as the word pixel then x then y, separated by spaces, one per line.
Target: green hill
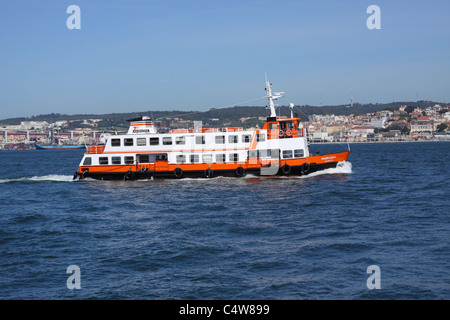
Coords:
pixel 217 117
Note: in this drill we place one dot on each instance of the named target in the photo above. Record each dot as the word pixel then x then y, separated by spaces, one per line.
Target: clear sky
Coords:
pixel 136 55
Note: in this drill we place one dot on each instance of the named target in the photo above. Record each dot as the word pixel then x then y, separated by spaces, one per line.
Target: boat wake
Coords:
pixel 344 167
pixel 51 178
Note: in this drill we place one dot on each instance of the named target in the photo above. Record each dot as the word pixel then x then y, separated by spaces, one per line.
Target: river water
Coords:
pixel 293 238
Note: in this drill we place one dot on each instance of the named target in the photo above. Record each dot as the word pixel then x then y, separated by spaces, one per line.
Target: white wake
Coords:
pixel 50 177
pixel 344 167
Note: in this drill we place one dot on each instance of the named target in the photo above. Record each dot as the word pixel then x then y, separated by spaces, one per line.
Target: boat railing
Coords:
pixel 181 131
pixel 232 129
pixel 205 130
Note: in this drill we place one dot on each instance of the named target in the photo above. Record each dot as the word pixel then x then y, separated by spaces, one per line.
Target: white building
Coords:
pixel 320 136
pixel 378 123
pixel 38 125
pixel 361 131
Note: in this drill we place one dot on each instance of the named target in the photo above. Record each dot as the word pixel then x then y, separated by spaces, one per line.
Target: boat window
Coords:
pixel 161 156
pixel 260 137
pixel 252 153
pixel 220 158
pixel 87 161
pixel 194 158
pixel 273 126
pixel 143 158
pixel 129 160
pixel 180 140
pixel 116 160
pixel 181 158
pixel 141 142
pixel 284 125
pixel 246 138
pixel 275 153
pixel 154 141
pixel 167 141
pixel 220 139
pixel 233 139
pixel 103 160
pixel 298 153
pixel 128 142
pixel 233 157
pixel 287 154
pixel 200 140
pixel 265 153
pixel 115 142
pixel 207 158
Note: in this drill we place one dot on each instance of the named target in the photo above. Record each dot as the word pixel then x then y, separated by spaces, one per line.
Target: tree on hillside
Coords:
pixel 441 127
pixel 409 109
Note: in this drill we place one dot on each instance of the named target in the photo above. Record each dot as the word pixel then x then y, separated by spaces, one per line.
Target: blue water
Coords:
pixel 229 238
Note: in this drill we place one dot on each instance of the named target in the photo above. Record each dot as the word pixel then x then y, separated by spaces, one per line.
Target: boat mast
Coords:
pixel 272 97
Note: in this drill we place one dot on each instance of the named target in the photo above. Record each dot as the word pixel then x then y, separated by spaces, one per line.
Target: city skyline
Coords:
pixel 197 55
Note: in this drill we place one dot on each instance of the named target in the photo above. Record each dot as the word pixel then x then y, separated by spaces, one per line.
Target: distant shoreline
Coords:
pixel 311 143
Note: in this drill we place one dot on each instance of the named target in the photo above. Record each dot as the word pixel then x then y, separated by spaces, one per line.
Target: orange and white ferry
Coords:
pixel 279 148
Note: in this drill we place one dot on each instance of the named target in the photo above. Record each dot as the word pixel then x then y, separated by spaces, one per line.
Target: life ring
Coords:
pixel 178 173
pixel 286 169
pixel 281 133
pixel 208 173
pixel 288 132
pixel 305 168
pixel 239 171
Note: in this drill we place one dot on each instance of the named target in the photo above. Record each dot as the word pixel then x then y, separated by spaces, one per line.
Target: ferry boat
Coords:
pixel 280 147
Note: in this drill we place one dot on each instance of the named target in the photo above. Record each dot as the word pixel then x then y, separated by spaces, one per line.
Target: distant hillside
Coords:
pixel 217 117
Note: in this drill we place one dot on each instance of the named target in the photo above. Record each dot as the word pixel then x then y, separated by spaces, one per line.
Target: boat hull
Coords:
pixel 57 147
pixel 295 167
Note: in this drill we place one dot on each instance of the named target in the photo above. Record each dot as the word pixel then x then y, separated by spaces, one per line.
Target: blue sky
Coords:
pixel 195 55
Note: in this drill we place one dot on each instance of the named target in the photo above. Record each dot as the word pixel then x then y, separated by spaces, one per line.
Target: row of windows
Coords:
pixel 105 160
pixel 287 154
pixel 195 158
pixel 208 158
pixel 155 141
pixel 181 158
pixel 275 153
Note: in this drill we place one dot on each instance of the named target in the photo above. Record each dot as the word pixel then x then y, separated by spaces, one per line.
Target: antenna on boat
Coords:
pixel 291 106
pixel 272 97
